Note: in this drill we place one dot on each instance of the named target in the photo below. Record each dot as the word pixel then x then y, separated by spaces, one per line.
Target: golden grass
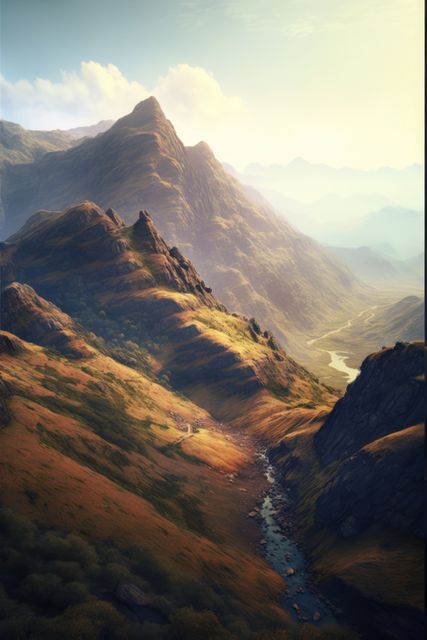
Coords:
pixel 76 483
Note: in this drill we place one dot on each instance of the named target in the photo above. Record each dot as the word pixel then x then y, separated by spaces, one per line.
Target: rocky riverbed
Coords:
pixel 302 599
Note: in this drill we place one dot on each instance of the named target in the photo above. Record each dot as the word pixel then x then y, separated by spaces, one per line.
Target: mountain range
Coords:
pixel 376 267
pixel 308 182
pixel 254 261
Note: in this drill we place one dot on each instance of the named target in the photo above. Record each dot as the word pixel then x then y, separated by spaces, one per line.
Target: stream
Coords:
pixel 301 600
pixel 338 362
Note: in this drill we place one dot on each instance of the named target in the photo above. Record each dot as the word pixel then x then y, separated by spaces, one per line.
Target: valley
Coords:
pixel 396 315
pixel 174 439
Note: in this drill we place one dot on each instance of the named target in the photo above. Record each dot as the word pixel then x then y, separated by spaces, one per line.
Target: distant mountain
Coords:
pixel 359 484
pixel 403 320
pixel 362 218
pixel 349 222
pixel 372 266
pixel 402 228
pixel 90 130
pixel 256 263
pixel 21 145
pixel 309 182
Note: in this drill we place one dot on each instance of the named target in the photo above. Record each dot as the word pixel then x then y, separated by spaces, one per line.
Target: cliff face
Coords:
pixel 256 263
pixel 382 483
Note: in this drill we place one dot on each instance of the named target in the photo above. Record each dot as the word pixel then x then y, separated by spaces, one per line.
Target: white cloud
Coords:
pixel 195 102
pixel 190 96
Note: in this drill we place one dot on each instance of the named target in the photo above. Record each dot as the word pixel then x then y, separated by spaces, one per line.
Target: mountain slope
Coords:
pixel 102 492
pixel 126 284
pixel 358 482
pixel 370 265
pixel 19 145
pixel 256 263
pixel 90 130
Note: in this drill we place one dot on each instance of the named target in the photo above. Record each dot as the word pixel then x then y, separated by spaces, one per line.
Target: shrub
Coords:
pixel 40 587
pixel 71 593
pixel 146 564
pixel 188 624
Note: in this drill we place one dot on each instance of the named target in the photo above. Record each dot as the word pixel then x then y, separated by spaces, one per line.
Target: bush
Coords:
pixel 92 620
pixel 40 587
pixel 68 570
pixel 70 594
pixel 146 564
pixel 188 624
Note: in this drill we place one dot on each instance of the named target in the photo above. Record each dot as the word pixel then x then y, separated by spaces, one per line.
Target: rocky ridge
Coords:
pixel 127 284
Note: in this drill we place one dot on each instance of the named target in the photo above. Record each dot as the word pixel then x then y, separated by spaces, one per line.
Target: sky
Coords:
pixel 338 82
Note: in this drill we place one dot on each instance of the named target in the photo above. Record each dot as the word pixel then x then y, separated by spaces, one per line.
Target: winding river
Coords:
pixel 338 358
pixel 302 600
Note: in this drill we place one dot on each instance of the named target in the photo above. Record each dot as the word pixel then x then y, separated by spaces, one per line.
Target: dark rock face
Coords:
pixel 375 432
pixel 379 484
pixel 387 396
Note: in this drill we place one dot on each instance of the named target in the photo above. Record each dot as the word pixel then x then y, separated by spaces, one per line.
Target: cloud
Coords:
pixel 190 96
pixel 96 92
pixel 195 102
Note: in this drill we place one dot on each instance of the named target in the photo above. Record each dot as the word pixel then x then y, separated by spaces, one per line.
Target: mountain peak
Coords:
pixel 146 113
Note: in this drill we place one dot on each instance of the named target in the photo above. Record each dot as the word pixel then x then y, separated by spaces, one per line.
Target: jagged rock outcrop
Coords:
pixel 169 265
